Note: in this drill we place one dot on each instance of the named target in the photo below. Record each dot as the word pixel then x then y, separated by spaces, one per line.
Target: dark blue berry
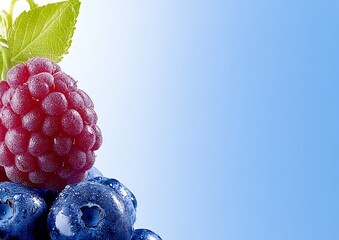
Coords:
pixel 89 210
pixel 145 234
pixel 127 196
pixel 23 212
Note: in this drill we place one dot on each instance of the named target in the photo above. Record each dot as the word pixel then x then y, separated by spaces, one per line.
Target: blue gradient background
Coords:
pixel 221 116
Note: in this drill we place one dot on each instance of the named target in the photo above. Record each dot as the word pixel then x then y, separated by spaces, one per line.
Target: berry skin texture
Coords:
pixel 23 212
pixel 145 234
pixel 48 127
pixel 89 210
pixel 125 194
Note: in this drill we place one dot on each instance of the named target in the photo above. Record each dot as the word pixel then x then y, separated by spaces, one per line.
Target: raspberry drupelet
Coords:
pixel 48 131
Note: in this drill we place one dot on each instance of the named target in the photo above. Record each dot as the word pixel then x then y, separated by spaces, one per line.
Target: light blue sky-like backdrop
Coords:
pixel 221 116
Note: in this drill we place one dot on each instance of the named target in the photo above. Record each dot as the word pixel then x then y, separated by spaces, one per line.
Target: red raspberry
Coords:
pixel 48 128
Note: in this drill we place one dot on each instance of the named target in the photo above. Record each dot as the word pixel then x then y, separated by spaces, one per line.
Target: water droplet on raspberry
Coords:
pixel 63 82
pixel 38 177
pixel 54 103
pixel 26 162
pixel 17 140
pixel 87 100
pixel 88 115
pixel 39 144
pixel 21 101
pixel 86 139
pixel 65 173
pixel 6 157
pixel 3 88
pixel 77 159
pixel 71 122
pixel 98 138
pixel 39 64
pixel 39 85
pixel 62 145
pixel 9 118
pixel 15 175
pixel 17 75
pixel 75 100
pixel 51 126
pixel 7 96
pixel 50 162
pixel 33 120
pixel 76 177
pixel 90 159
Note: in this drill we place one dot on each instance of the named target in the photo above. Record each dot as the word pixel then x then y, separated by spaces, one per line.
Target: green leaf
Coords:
pixel 44 31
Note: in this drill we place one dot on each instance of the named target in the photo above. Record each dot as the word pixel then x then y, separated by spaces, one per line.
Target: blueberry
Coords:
pixel 127 196
pixel 145 234
pixel 23 212
pixel 92 173
pixel 89 210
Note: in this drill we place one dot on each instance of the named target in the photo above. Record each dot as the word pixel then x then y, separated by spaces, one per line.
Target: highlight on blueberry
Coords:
pixel 125 194
pixel 89 210
pixel 23 212
pixel 145 234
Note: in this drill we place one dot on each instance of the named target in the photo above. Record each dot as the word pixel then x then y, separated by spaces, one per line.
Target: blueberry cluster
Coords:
pixel 97 208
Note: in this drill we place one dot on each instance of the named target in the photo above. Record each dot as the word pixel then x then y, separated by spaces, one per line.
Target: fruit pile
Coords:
pixel 96 208
pixel 49 188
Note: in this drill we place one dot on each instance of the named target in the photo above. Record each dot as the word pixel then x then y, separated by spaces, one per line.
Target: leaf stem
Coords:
pixel 6 58
pixel 7 22
pixel 32 4
pixel 10 14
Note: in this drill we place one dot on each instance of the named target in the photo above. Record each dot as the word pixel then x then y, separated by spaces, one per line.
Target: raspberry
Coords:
pixel 40 84
pixel 48 131
pixel 54 104
pixel 9 118
pixel 71 122
pixel 17 75
pixel 3 176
